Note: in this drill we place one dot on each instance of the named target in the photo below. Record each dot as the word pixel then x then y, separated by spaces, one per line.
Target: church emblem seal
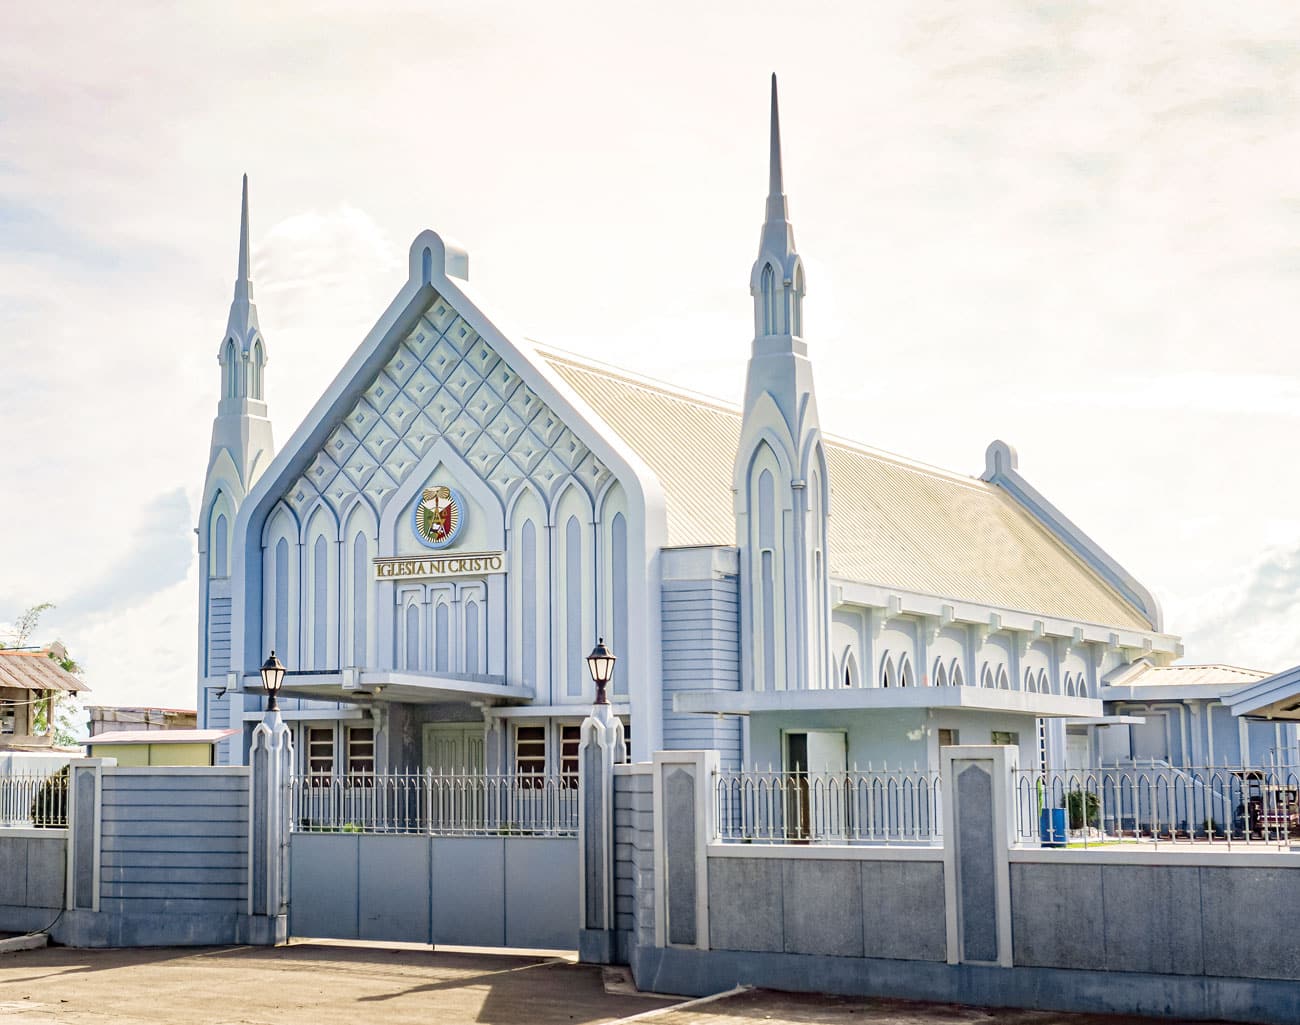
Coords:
pixel 438 516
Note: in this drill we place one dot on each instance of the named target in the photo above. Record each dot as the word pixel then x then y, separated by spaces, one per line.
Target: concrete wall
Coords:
pixel 33 872
pixel 462 891
pixel 1198 934
pixel 794 901
pixel 1233 919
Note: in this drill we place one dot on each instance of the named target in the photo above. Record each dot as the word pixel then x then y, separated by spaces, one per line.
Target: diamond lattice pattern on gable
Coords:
pixel 445 381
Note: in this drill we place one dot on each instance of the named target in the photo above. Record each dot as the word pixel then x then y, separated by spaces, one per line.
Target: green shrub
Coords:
pixel 1082 808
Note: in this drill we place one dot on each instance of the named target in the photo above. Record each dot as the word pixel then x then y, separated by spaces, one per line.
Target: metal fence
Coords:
pixel 34 799
pixel 435 804
pixel 1157 804
pixel 897 807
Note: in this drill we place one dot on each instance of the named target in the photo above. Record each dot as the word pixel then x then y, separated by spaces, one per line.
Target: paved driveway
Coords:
pixel 324 984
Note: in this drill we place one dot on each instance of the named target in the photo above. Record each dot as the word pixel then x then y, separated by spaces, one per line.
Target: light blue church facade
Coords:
pixel 463 514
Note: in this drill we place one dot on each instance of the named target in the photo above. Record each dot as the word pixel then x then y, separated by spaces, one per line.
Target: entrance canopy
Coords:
pixel 1276 697
pixel 976 698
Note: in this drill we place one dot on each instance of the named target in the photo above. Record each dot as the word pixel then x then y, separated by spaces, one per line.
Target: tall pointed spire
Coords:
pixel 780 470
pixel 242 325
pixel 776 282
pixel 775 179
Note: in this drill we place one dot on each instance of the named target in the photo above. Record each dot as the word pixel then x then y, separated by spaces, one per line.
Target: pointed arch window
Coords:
pixel 769 300
pixel 1029 681
pixel 796 301
pixel 849 677
pixel 360 598
pixel 220 546
pixel 1044 685
pixel 956 677
pixel 1004 681
pixel 259 361
pixel 986 678
pixel 888 677
pixel 940 673
pixel 228 368
pixel 906 678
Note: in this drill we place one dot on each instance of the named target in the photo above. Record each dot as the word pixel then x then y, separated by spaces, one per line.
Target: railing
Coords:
pixel 435 804
pixel 887 807
pixel 1157 804
pixel 34 799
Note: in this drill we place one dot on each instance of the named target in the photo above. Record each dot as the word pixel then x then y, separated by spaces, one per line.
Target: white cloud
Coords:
pixel 1071 226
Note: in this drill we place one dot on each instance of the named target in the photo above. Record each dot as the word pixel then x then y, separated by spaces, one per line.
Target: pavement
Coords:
pixel 314 983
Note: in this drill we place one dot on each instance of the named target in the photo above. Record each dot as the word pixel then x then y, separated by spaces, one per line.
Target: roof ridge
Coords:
pixel 583 362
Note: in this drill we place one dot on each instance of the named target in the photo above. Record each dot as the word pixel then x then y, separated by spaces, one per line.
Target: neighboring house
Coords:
pixel 1184 717
pixel 30 684
pixel 462 514
pixel 158 747
pixel 112 718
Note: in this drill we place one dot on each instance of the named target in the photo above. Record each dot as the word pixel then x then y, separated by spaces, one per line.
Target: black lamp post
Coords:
pixel 600 663
pixel 272 680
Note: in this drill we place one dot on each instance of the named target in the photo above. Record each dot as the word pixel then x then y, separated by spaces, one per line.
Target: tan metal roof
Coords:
pixel 35 670
pixel 894 522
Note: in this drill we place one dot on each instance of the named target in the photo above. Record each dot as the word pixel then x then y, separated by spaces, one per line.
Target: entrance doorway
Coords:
pixel 816 800
pixel 453 750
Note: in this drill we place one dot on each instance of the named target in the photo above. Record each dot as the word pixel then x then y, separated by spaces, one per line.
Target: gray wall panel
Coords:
pixel 903 910
pixel 822 907
pixel 745 904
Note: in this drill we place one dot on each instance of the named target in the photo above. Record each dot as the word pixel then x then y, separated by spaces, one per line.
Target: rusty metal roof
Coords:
pixel 894 522
pixel 35 670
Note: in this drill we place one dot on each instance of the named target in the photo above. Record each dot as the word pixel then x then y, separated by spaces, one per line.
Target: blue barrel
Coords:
pixel 1051 827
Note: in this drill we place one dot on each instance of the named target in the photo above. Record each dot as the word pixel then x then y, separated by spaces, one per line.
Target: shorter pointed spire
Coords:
pixel 243 273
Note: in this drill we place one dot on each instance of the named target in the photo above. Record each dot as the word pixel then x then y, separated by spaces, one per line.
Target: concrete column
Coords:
pixel 683 826
pixel 85 829
pixel 601 747
pixel 271 762
pixel 977 831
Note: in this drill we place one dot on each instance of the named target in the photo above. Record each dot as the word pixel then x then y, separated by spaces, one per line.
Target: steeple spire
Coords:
pixel 242 326
pixel 776 282
pixel 780 480
pixel 776 207
pixel 243 275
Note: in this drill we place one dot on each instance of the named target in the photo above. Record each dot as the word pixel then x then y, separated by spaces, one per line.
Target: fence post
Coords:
pixel 977 831
pixel 271 764
pixel 85 830
pixel 601 746
pixel 683 797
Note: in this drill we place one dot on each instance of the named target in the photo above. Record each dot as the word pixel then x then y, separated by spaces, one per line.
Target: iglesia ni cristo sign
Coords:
pixel 462 564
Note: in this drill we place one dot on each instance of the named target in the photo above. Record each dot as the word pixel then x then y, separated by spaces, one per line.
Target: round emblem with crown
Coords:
pixel 438 516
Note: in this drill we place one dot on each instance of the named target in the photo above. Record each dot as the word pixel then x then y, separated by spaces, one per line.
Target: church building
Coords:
pixel 463 514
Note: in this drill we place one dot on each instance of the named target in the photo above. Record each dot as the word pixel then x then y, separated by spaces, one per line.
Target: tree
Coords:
pixel 62 714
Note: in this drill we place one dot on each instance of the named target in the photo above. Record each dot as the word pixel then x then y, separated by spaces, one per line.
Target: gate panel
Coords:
pixel 469 891
pixel 541 880
pixel 393 890
pixel 323 893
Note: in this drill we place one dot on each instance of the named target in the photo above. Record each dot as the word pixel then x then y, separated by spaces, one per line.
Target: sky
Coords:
pixel 1070 226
